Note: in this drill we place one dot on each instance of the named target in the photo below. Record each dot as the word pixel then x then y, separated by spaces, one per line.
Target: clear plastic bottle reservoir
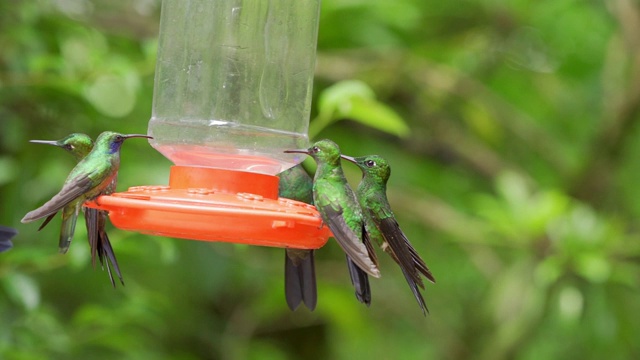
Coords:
pixel 233 82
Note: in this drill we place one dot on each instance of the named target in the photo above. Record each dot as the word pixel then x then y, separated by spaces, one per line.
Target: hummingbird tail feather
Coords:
pixel 107 250
pixel 292 283
pixel 300 279
pixel 91 220
pixel 360 282
pixel 405 255
pixel 307 270
pixel 113 283
pixel 69 217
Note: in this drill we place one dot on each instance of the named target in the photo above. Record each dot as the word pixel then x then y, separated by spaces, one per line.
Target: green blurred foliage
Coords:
pixel 512 131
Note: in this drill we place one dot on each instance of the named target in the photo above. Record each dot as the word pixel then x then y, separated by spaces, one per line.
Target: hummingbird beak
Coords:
pixel 137 136
pixel 349 158
pixel 47 142
pixel 297 151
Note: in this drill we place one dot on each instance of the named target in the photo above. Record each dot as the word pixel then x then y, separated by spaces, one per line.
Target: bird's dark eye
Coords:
pixel 315 149
pixel 370 163
pixel 68 146
pixel 119 138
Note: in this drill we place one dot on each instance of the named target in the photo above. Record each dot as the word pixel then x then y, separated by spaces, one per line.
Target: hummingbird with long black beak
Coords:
pixel 6 234
pixel 339 209
pixel 79 145
pixel 299 268
pixel 381 224
pixel 89 179
pixel 76 144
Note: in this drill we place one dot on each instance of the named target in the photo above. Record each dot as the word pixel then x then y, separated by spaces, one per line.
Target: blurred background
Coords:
pixel 512 131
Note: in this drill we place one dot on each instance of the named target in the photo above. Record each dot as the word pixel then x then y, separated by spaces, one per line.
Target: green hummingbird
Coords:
pixel 79 145
pixel 299 268
pixel 90 178
pixel 382 226
pixel 76 144
pixel 6 234
pixel 339 209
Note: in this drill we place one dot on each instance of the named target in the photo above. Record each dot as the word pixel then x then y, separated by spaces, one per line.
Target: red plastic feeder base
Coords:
pixel 217 205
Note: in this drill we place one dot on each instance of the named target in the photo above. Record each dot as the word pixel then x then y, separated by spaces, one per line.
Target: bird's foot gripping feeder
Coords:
pixel 211 204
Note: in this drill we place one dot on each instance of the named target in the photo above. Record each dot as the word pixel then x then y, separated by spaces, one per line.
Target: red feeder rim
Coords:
pixel 211 204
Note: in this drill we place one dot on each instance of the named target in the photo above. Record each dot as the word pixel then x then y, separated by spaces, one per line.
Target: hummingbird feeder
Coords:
pixel 232 92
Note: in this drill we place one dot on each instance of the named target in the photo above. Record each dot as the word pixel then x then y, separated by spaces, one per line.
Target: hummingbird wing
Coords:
pixel 359 278
pixel 416 291
pixel 420 265
pixel 6 234
pixel 366 240
pixel 300 279
pixel 46 221
pixel 348 240
pixel 71 190
pixel 404 256
pixel 407 256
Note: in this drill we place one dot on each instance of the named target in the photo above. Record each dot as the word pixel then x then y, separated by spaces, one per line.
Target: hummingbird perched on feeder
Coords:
pixel 299 268
pixel 91 177
pixel 79 145
pixel 339 209
pixel 381 224
pixel 6 234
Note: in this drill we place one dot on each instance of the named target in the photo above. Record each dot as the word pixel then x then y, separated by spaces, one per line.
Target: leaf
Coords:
pixel 376 115
pixel 355 100
pixel 339 94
